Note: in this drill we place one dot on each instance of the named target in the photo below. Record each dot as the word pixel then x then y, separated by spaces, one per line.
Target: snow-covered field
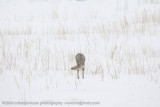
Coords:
pixel 120 39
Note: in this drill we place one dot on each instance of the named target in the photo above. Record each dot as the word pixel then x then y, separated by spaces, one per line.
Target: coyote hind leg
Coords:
pixel 83 73
pixel 78 74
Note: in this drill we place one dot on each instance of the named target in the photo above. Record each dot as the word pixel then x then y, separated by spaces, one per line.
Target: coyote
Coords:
pixel 80 60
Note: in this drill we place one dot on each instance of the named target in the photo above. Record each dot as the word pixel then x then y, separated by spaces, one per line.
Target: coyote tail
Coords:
pixel 75 67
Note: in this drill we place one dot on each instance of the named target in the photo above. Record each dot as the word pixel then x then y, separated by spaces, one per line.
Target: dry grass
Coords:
pixel 52 44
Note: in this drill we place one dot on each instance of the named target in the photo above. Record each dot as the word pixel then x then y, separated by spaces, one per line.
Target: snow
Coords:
pixel 120 39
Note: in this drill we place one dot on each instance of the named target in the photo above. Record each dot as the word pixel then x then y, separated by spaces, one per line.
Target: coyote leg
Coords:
pixel 83 73
pixel 78 74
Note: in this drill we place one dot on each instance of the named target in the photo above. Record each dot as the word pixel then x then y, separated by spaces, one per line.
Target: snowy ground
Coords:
pixel 120 39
